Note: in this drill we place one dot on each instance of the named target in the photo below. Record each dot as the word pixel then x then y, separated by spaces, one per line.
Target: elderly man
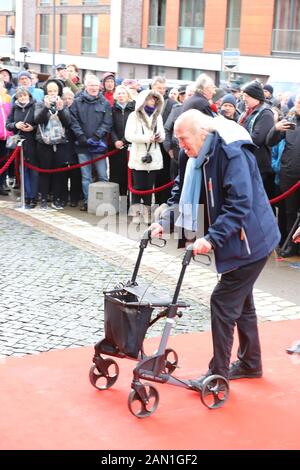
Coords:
pixel 25 81
pixel 91 121
pixel 222 172
pixel 204 91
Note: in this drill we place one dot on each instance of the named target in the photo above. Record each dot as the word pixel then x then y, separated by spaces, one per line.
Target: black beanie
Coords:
pixel 255 90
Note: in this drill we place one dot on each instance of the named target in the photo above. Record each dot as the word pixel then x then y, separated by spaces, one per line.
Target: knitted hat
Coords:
pixel 269 88
pixel 255 90
pixel 229 98
pixel 107 75
pixel 24 73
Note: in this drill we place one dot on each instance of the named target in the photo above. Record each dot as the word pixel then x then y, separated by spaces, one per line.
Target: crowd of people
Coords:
pixel 92 118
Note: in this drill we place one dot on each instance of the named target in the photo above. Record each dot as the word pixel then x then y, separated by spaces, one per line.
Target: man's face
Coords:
pixel 92 87
pixel 228 110
pixel 190 140
pixel 24 81
pixel 250 102
pixel 109 84
pixel 160 88
pixel 62 74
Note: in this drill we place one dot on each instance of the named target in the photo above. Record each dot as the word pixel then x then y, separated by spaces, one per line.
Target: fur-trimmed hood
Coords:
pixel 140 103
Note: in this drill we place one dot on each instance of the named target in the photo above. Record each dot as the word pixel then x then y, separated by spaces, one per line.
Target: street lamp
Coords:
pixel 53 35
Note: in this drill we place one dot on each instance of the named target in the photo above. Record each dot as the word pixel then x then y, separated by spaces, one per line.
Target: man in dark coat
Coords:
pixel 91 121
pixel 258 119
pixel 242 231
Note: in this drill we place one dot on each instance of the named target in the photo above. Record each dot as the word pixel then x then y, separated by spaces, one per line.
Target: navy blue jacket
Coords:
pixel 90 117
pixel 242 226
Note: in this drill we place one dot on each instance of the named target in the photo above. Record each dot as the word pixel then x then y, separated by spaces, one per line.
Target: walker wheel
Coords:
pixel 140 409
pixel 171 360
pixel 102 380
pixel 214 391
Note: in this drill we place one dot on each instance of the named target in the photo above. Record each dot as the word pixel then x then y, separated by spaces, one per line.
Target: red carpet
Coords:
pixel 47 402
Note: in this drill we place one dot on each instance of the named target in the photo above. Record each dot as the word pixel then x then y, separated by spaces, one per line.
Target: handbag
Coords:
pixel 13 140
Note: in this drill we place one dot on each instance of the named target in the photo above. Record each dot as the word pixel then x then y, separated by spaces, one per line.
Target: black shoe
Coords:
pixel 74 204
pixel 291 250
pixel 44 204
pixel 238 371
pixel 32 203
pixel 294 349
pixel 84 208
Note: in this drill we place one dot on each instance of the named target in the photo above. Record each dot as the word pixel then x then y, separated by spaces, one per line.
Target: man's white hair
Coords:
pixel 195 120
pixel 90 77
pixel 203 81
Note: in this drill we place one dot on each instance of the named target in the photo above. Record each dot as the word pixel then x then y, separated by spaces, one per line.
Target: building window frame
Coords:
pixel 89 40
pixel 286 27
pixel 191 24
pixel 157 23
pixel 233 24
pixel 63 20
pixel 44 32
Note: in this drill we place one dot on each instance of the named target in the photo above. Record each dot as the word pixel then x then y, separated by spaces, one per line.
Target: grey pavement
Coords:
pixel 51 292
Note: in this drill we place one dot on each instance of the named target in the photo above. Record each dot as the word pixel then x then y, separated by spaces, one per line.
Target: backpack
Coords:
pixel 53 132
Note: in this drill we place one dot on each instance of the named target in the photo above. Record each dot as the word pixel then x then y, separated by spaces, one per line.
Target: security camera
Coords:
pixel 24 49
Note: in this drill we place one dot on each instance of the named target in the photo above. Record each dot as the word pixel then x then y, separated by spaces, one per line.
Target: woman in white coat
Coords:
pixel 144 130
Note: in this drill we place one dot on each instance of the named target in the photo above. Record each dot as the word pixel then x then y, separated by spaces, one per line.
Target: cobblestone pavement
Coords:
pixel 55 266
pixel 51 293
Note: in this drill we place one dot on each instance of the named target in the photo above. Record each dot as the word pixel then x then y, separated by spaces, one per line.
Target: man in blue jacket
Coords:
pixel 222 171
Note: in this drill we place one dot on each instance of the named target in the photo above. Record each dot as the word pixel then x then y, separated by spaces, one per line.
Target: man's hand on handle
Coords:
pixel 156 230
pixel 296 236
pixel 201 246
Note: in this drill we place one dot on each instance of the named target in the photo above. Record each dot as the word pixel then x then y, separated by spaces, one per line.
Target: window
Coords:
pixel 191 28
pixel 155 70
pixel 44 2
pixel 189 74
pixel 233 23
pixel 63 33
pixel 156 31
pixel 286 32
pixel 89 34
pixel 44 32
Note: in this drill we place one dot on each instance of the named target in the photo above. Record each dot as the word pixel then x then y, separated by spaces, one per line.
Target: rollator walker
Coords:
pixel 127 316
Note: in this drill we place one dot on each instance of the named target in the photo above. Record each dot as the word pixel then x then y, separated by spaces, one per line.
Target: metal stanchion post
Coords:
pixel 22 182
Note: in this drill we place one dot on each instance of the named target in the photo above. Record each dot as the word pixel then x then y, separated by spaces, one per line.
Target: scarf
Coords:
pixel 149 110
pixel 191 189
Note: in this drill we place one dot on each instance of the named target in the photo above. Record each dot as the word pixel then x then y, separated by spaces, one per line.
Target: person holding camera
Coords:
pixel 50 152
pixel 145 131
pixel 288 130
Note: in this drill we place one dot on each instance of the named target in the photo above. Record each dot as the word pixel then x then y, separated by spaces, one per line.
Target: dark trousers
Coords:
pixel 118 170
pixel 232 304
pixel 142 181
pixel 49 159
pixel 163 177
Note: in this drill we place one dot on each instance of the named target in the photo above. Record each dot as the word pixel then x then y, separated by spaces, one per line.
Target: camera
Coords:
pixel 147 158
pixel 24 49
pixel 292 125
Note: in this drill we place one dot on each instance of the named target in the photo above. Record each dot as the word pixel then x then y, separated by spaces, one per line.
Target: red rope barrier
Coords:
pixel 147 191
pixel 286 194
pixel 72 167
pixel 10 160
